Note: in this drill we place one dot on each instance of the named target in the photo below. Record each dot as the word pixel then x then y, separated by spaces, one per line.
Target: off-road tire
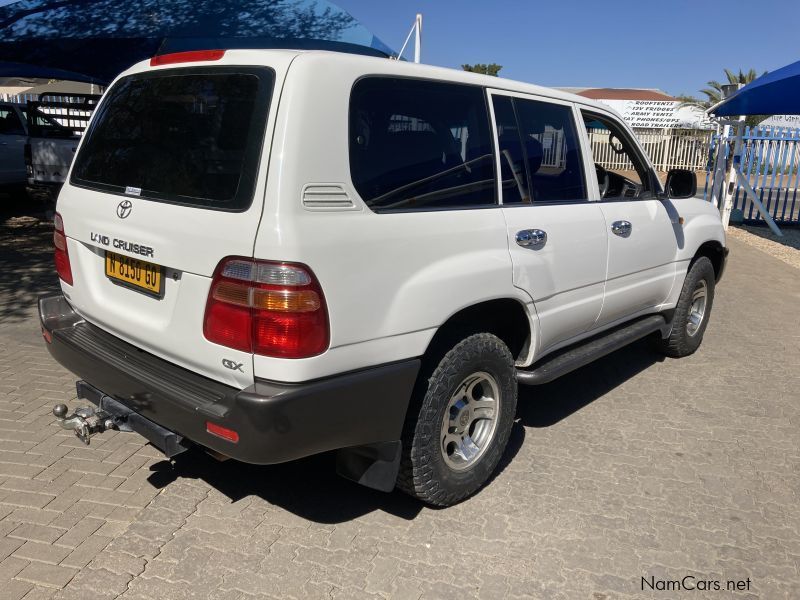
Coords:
pixel 424 474
pixel 680 343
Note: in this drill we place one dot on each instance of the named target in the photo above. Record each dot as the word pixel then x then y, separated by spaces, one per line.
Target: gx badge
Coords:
pixel 233 366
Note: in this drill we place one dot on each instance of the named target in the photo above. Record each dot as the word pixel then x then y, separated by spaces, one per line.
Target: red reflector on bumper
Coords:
pixel 222 432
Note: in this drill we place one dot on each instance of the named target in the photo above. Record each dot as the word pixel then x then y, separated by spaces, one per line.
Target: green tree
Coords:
pixel 492 69
pixel 713 93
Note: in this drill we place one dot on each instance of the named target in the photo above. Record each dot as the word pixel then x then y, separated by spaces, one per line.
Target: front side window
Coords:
pixel 10 123
pixel 188 136
pixel 420 145
pixel 621 173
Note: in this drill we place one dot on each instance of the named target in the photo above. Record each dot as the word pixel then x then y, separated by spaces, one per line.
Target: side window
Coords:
pixel 552 151
pixel 10 123
pixel 513 174
pixel 422 145
pixel 621 173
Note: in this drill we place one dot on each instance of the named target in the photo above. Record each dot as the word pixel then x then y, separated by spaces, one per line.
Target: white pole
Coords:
pixel 726 203
pixel 418 40
pixel 719 166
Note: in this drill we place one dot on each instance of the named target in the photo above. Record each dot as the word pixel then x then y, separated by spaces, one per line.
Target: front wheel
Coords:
pixel 692 311
pixel 453 444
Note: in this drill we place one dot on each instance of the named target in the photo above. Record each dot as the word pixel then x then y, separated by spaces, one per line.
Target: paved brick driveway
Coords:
pixel 633 467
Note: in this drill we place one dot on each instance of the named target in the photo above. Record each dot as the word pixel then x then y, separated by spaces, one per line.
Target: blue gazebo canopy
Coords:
pixel 95 40
pixel 776 93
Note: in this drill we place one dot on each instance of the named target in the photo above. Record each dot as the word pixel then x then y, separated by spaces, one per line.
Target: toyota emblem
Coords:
pixel 124 209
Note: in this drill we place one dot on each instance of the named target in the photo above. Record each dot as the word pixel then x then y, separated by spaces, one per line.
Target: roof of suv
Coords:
pixel 380 65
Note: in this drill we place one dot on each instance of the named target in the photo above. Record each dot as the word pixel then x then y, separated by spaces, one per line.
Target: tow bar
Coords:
pixel 108 413
pixel 85 421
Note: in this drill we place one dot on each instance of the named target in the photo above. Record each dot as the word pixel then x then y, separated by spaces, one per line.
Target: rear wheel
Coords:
pixel 453 443
pixel 692 312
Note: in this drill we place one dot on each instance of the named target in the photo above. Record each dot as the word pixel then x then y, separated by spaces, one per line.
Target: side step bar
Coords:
pixel 573 357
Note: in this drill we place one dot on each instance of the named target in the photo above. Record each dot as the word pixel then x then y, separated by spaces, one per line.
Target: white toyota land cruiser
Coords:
pixel 271 254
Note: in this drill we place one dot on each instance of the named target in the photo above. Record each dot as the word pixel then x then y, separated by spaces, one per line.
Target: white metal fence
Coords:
pixel 667 148
pixel 18 98
pixel 770 165
pixel 554 147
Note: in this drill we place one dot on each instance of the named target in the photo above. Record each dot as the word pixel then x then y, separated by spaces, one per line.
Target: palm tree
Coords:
pixel 713 93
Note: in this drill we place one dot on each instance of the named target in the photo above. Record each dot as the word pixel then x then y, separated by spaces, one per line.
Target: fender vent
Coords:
pixel 330 196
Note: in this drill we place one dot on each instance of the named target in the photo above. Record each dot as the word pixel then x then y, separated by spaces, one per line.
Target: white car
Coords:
pixel 13 137
pixel 55 127
pixel 272 254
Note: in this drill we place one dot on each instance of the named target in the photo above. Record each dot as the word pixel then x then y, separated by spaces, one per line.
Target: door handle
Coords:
pixel 621 228
pixel 531 238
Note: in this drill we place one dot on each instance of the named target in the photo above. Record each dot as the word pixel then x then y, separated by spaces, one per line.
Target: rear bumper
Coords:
pixel 276 422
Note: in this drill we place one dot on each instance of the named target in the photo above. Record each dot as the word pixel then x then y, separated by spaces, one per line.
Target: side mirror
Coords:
pixel 681 183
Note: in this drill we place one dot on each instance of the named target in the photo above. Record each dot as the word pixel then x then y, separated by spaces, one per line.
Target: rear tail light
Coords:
pixel 268 308
pixel 61 253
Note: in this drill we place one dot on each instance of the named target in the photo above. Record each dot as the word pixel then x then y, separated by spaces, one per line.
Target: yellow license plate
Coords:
pixel 136 274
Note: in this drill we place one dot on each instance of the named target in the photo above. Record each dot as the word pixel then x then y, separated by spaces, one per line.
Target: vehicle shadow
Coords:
pixel 309 488
pixel 26 257
pixel 545 405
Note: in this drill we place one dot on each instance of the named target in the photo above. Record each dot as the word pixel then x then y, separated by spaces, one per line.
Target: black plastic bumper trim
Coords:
pixel 276 422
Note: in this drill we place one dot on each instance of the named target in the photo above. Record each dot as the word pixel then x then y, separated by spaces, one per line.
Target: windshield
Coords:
pixel 188 136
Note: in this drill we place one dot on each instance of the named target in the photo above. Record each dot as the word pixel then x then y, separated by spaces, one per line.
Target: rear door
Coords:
pixel 12 146
pixel 165 184
pixel 556 236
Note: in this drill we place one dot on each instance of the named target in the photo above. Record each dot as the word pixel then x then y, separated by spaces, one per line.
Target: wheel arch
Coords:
pixel 715 252
pixel 507 318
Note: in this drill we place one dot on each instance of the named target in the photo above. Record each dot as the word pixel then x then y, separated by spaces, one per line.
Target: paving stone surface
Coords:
pixel 634 467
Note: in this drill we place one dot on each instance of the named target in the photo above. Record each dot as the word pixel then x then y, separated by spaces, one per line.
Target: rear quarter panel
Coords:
pixel 390 280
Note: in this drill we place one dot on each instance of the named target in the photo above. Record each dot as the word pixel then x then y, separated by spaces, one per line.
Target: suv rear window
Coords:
pixel 420 145
pixel 186 136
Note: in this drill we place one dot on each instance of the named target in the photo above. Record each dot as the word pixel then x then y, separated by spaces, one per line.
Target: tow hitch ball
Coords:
pixel 85 421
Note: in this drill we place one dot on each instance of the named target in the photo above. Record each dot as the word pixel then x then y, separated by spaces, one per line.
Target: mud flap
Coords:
pixel 374 466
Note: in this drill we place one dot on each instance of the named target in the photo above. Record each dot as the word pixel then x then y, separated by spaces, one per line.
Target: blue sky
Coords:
pixel 676 45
